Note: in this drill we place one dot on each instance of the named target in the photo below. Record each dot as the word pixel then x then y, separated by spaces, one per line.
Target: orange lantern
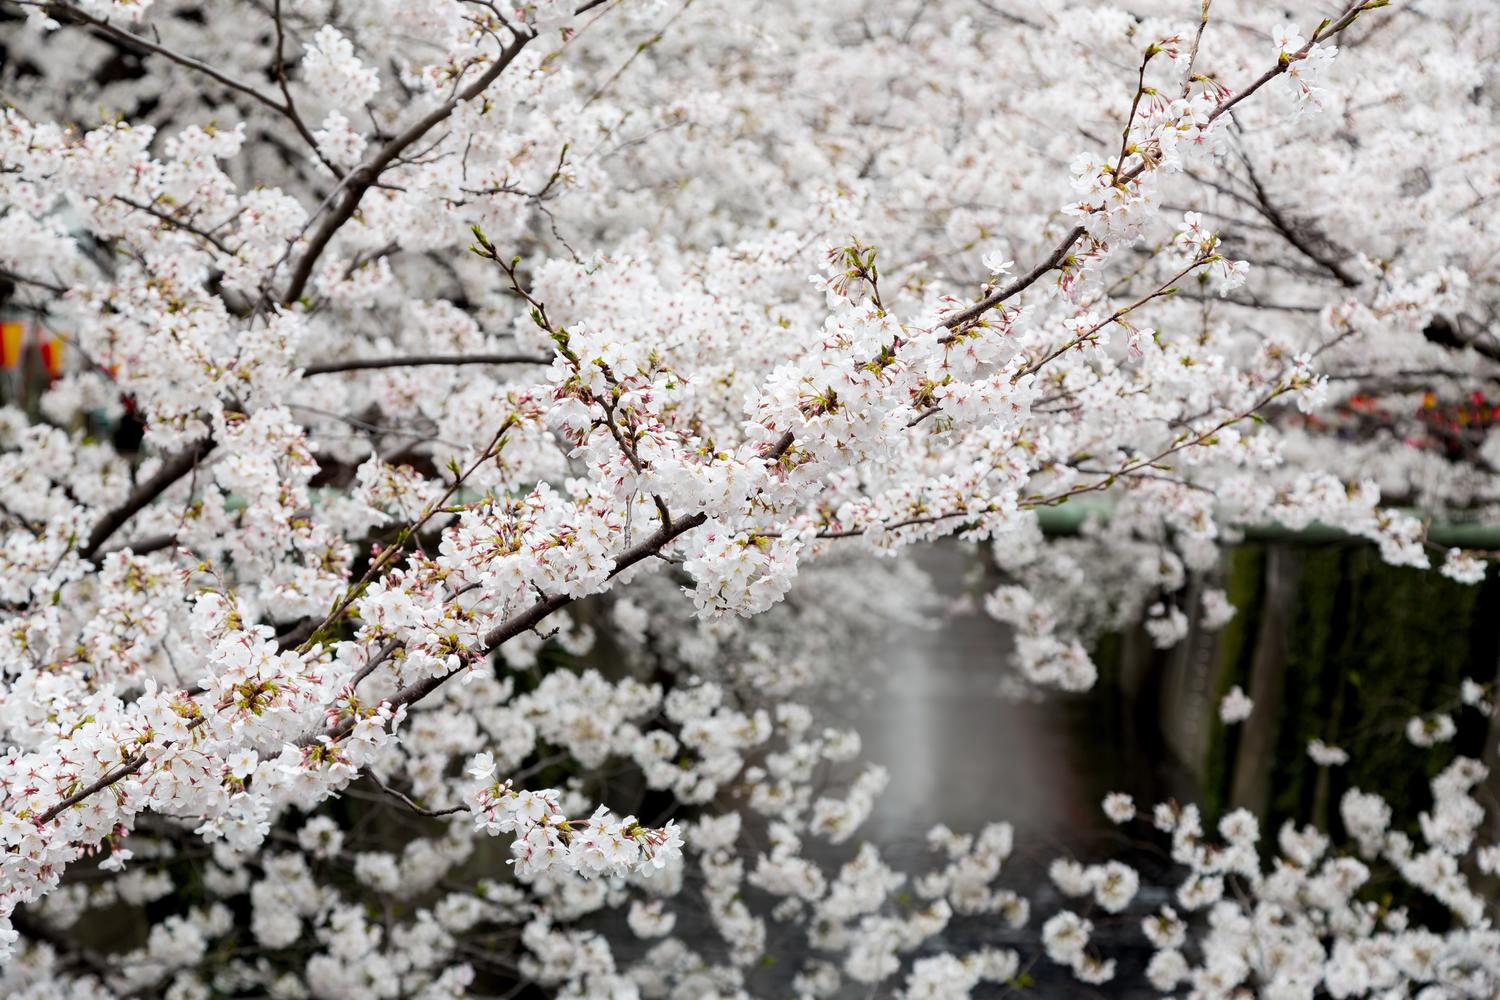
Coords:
pixel 51 348
pixel 12 333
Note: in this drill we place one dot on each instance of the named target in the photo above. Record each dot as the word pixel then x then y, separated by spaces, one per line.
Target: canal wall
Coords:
pixel 1332 644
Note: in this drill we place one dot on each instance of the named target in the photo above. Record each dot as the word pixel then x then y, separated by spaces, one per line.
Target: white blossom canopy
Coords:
pixel 433 319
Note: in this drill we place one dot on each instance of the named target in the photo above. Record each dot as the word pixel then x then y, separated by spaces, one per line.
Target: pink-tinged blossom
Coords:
pixel 425 323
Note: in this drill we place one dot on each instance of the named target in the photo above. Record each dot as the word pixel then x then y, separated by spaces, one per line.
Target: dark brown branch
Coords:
pixel 408 801
pixel 125 770
pixel 538 612
pixel 362 178
pixel 1405 378
pixel 143 546
pixel 524 622
pixel 176 223
pixel 297 634
pixel 289 106
pixel 1444 333
pixel 423 361
pixel 1250 303
pixel 1022 283
pixel 22 279
pixel 1292 233
pixel 172 469
pixel 1348 17
pixel 129 40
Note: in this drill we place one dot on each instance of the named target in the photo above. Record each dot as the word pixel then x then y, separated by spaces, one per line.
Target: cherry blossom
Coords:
pixel 417 350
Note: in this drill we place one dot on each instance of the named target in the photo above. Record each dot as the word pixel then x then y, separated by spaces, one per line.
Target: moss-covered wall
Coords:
pixel 1372 646
pixel 1245 568
pixel 1366 647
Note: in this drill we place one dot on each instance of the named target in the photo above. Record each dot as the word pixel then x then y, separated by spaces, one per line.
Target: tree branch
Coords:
pixel 1272 214
pixel 22 279
pixel 538 612
pixel 363 177
pixel 359 181
pixel 1022 283
pixel 423 361
pixel 130 40
pixel 1348 17
pixel 172 469
pixel 289 106
pixel 176 223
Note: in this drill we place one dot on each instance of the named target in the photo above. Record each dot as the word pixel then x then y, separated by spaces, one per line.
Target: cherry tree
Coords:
pixel 443 340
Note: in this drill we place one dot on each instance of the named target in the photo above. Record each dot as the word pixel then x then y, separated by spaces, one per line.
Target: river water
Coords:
pixel 962 752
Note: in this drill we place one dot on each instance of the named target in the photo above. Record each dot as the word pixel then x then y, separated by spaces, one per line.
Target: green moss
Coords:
pixel 1314 678
pixel 1410 642
pixel 1369 646
pixel 1106 656
pixel 1244 584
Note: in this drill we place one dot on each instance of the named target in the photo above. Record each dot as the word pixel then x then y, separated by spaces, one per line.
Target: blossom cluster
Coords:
pixel 603 844
pixel 416 347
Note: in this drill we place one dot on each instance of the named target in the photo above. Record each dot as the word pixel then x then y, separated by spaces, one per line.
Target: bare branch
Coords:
pixel 363 177
pixel 289 106
pixel 1349 16
pixel 22 279
pixel 542 609
pixel 984 305
pixel 423 361
pixel 409 802
pixel 172 469
pixel 175 223
pixel 1351 13
pixel 1292 233
pixel 131 40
